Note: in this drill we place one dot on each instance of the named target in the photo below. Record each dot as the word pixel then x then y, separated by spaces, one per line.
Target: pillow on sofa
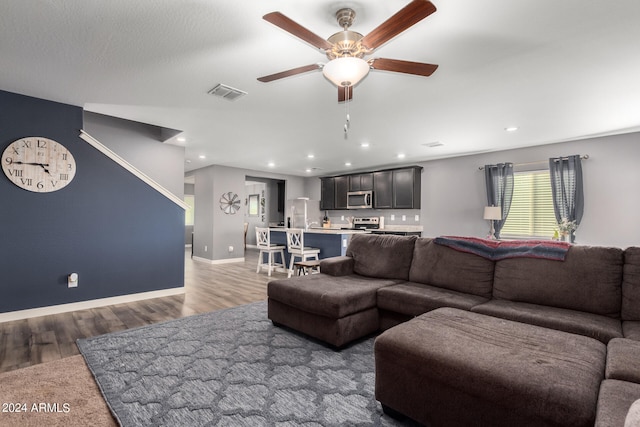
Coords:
pixel 382 256
pixel 631 285
pixel 633 416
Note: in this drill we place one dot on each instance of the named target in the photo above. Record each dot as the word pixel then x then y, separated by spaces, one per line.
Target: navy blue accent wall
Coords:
pixel 118 234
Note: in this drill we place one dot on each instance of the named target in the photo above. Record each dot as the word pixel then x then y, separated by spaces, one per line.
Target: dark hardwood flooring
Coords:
pixel 207 287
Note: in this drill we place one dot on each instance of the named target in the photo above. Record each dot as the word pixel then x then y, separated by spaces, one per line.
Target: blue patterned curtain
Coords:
pixel 567 189
pixel 499 182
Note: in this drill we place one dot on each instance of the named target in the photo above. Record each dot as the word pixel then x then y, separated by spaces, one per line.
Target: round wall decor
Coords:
pixel 38 164
pixel 230 203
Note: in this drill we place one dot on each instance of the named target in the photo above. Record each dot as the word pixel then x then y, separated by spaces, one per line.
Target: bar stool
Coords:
pixel 263 241
pixel 296 248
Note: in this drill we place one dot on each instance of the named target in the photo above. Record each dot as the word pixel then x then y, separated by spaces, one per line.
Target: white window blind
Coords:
pixel 531 213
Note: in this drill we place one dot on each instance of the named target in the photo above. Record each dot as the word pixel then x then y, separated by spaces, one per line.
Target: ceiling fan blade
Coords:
pixel 291 72
pixel 290 26
pixel 407 67
pixel 345 93
pixel 412 13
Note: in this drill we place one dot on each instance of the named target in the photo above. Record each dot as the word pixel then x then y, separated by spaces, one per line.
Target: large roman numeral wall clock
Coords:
pixel 38 164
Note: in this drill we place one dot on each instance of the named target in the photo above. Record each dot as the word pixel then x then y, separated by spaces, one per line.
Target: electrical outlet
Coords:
pixel 230 248
pixel 404 217
pixel 393 217
pixel 342 218
pixel 417 218
pixel 72 280
pixel 205 248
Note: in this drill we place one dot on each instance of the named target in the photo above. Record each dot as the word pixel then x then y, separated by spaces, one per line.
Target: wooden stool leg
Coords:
pixel 290 272
pixel 259 262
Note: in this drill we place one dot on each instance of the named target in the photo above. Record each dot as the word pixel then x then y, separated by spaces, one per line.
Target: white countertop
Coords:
pixel 323 230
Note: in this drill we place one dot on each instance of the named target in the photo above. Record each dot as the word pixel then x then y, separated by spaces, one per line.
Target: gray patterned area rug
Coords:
pixel 232 368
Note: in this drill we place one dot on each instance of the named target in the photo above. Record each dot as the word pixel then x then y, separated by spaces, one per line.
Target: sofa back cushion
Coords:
pixel 383 256
pixel 589 279
pixel 631 285
pixel 441 266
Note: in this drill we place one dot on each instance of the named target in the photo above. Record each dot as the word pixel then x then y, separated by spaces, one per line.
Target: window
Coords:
pixel 189 213
pixel 531 213
pixel 253 204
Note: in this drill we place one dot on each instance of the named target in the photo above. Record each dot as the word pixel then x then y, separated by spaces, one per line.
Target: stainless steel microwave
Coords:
pixel 360 200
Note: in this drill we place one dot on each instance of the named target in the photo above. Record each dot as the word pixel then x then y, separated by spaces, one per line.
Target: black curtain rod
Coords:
pixel 585 157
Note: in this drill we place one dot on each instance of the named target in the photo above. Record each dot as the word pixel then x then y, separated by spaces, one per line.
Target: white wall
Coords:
pixel 453 192
pixel 217 230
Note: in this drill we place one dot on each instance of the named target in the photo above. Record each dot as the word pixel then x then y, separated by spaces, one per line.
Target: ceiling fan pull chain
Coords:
pixel 347 123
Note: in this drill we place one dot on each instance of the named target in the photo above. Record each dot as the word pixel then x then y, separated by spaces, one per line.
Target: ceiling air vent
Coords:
pixel 433 144
pixel 227 92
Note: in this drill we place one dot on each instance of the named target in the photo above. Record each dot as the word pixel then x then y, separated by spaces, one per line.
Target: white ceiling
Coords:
pixel 559 70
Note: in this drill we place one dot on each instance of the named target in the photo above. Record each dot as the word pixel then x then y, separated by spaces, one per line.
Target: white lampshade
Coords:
pixel 492 212
pixel 346 71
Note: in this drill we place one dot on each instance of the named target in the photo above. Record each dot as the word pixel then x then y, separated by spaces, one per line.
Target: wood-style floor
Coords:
pixel 207 287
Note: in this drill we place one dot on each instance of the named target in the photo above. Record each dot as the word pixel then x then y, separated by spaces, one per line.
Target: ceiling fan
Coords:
pixel 345 49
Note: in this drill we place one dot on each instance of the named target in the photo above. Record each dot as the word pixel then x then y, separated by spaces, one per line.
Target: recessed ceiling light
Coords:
pixel 181 139
pixel 401 156
pixel 308 170
pixel 364 145
pixel 347 164
pixel 310 156
pixel 511 128
pixel 271 164
pixel 202 156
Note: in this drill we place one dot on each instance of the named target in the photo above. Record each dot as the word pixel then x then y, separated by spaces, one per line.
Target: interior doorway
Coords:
pixel 264 202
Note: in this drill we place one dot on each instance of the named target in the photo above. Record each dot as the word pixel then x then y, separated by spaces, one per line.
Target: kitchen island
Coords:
pixel 331 241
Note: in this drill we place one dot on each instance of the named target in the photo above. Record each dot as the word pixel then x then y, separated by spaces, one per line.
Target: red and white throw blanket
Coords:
pixel 500 249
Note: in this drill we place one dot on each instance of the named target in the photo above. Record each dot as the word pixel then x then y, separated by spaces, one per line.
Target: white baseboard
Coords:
pixel 218 261
pixel 85 305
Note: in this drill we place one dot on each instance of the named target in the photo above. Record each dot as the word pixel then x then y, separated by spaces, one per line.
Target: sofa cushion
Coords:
pixel 326 295
pixel 448 268
pixel 631 285
pixel 596 326
pixel 382 256
pixel 414 299
pixel 631 329
pixel 614 401
pixel 589 279
pixel 623 360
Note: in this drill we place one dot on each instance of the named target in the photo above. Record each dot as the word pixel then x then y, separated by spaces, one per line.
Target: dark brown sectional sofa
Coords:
pixel 386 281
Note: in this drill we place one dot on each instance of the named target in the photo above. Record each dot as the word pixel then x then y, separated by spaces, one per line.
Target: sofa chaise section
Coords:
pixel 339 305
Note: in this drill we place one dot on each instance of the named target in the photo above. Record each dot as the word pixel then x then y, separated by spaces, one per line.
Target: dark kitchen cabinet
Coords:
pixel 341 189
pixel 327 193
pixel 406 188
pixel 361 182
pixel 392 188
pixel 383 190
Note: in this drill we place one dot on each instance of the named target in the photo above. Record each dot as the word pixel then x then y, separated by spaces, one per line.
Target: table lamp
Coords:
pixel 492 213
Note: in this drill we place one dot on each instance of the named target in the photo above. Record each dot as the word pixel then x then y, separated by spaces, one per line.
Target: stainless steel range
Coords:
pixel 369 223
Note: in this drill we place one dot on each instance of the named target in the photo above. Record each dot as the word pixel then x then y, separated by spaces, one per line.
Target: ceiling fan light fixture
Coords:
pixel 347 71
